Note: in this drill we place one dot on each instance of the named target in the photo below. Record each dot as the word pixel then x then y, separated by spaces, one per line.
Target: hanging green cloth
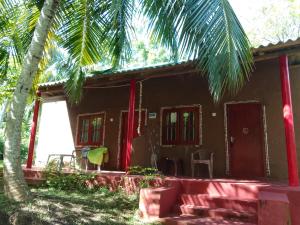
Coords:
pixel 98 155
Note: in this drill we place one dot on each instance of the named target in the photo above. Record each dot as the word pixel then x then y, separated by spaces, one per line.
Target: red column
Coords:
pixel 130 123
pixel 288 121
pixel 33 130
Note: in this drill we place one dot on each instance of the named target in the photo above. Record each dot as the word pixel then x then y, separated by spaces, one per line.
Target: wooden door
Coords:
pixel 245 140
pixel 135 133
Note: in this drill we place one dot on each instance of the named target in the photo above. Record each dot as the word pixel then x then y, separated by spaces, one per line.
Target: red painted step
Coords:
pixel 196 220
pixel 218 213
pixel 248 205
pixel 222 187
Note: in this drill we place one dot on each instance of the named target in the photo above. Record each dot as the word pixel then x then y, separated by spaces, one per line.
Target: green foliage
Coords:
pixel 206 30
pixel 138 170
pixel 1 148
pixel 24 149
pixel 50 206
pixel 148 181
pixel 275 20
pixel 71 182
pixel 68 182
pixel 149 175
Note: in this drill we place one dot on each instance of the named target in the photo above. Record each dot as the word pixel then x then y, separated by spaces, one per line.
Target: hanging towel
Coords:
pixel 98 155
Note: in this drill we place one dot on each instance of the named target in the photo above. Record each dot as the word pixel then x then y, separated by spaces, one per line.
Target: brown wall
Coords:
pixel 263 86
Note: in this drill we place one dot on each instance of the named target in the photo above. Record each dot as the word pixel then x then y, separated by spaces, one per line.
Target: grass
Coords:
pixel 51 206
pixel 1 165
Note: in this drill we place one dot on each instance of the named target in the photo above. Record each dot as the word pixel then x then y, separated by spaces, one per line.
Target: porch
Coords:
pixel 180 200
pixel 174 127
pixel 245 133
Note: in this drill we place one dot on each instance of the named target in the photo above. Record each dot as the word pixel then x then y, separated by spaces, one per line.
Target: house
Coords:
pixel 175 115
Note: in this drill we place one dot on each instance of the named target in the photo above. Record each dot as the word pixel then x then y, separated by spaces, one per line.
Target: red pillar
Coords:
pixel 130 123
pixel 33 130
pixel 288 121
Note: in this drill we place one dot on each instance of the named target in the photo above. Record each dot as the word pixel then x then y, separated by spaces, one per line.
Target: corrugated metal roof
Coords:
pixel 261 48
pixel 53 83
pixel 121 71
pixel 279 44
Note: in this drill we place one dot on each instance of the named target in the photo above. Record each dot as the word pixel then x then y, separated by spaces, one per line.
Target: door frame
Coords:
pixel 120 131
pixel 265 138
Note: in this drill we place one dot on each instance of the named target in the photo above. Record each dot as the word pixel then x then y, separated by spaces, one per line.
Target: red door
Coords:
pixel 135 133
pixel 245 140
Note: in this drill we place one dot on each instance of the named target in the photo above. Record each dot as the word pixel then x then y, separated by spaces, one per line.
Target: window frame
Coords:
pixel 90 116
pixel 179 125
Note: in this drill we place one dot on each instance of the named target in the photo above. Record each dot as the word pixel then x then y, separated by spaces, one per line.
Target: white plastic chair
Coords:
pixel 202 157
pixel 80 157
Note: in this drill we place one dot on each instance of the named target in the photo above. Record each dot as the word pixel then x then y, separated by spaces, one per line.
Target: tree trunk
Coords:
pixel 14 183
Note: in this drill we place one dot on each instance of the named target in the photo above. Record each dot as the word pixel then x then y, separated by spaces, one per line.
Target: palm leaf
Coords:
pixel 212 33
pixel 118 20
pixel 208 31
pixel 80 35
pixel 163 17
pixel 4 63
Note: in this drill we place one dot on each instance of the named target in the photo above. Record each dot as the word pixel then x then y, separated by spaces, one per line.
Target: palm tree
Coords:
pixel 205 30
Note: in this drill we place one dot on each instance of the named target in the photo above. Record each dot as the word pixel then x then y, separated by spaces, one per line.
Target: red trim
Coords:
pixel 288 121
pixel 33 130
pixel 90 118
pixel 180 125
pixel 130 123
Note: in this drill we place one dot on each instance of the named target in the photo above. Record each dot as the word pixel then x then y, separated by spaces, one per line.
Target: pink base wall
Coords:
pixel 279 205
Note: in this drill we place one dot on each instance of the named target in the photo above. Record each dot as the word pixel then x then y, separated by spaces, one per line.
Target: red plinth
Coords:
pixel 288 122
pixel 157 202
pixel 33 130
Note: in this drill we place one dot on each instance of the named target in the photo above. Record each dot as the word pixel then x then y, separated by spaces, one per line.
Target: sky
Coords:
pixel 263 20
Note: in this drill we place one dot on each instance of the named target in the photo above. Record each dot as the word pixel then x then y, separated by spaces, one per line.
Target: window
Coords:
pixel 90 129
pixel 180 126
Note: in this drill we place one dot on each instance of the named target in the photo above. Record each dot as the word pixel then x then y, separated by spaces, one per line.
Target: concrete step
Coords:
pixel 222 187
pixel 176 209
pixel 196 220
pixel 218 213
pixel 239 204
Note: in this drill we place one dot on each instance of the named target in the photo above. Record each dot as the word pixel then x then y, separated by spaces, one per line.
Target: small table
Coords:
pixel 61 159
pixel 169 163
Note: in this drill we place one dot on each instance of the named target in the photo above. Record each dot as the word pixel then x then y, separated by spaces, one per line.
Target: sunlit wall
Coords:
pixel 54 134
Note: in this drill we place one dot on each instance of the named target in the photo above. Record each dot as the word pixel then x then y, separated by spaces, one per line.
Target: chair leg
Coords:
pixel 210 170
pixel 175 168
pixel 193 170
pixel 86 164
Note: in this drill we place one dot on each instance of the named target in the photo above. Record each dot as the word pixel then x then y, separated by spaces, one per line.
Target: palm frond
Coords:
pixel 80 34
pixel 163 16
pixel 208 31
pixel 118 26
pixel 74 83
pixel 211 32
pixel 4 63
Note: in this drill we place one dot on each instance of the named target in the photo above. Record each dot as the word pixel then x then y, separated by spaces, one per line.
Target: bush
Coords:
pixel 138 170
pixel 23 153
pixel 1 148
pixel 149 174
pixel 68 182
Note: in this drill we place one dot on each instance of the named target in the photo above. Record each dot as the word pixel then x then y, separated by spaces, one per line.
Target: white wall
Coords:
pixel 54 134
